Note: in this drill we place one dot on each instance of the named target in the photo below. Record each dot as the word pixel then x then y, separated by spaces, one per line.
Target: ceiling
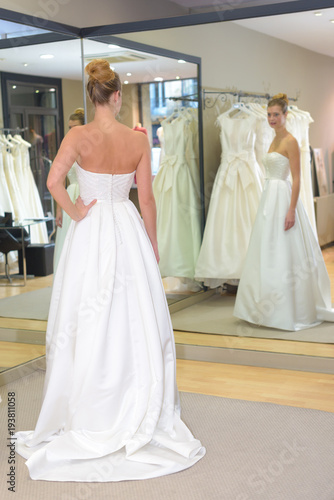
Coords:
pixel 312 32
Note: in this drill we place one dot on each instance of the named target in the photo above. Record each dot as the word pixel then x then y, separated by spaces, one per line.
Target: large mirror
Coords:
pixel 257 56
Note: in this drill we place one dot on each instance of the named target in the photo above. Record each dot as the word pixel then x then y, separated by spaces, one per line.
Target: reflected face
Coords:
pixel 73 123
pixel 276 117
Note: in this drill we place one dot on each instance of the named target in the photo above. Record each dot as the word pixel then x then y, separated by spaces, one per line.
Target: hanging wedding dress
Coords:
pixel 233 205
pixel 178 203
pixel 111 408
pixel 5 200
pixel 284 283
pixel 73 192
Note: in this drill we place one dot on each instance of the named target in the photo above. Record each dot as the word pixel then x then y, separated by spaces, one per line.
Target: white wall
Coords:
pixel 234 56
pixel 72 98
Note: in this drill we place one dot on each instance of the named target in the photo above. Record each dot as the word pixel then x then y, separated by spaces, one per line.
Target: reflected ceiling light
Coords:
pixel 332 20
pixel 129 74
pixel 177 78
pixel 36 91
pixel 158 79
pixel 46 56
pixel 25 64
pixel 14 87
pixel 126 82
pixel 52 90
pixel 111 46
pixel 181 61
pixel 318 13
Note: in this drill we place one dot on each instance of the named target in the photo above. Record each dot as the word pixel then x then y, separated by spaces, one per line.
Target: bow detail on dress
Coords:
pixel 239 164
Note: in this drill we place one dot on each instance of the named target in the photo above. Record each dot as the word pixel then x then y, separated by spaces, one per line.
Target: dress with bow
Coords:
pixel 176 192
pixel 233 205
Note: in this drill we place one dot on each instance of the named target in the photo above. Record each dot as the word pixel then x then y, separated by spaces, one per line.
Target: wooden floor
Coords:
pixel 285 387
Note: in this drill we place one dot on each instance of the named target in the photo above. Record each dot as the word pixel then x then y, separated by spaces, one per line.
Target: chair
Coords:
pixel 11 239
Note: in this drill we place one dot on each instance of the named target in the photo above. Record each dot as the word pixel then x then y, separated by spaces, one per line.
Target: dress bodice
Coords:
pixel 237 135
pixel 109 188
pixel 174 137
pixel 277 166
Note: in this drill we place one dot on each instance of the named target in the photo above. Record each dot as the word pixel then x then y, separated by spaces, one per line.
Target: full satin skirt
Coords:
pixel 111 408
pixel 284 283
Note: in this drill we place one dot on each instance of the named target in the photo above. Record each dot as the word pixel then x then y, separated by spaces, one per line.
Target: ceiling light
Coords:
pixel 158 79
pixel 318 13
pixel 52 90
pixel 47 56
pixel 129 74
pixel 177 78
pixel 181 61
pixel 25 64
pixel 36 91
pixel 126 82
pixel 14 87
pixel 111 46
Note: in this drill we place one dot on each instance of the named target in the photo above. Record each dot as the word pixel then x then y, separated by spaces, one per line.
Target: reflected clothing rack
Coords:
pixel 236 93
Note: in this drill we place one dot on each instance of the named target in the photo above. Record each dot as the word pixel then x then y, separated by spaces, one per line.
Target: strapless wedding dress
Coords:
pixel 111 408
pixel 284 283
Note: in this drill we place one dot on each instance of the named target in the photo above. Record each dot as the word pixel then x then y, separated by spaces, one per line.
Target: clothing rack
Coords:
pixel 189 97
pixel 222 95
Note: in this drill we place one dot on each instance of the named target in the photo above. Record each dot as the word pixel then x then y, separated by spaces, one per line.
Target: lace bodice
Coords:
pixel 277 166
pixel 109 188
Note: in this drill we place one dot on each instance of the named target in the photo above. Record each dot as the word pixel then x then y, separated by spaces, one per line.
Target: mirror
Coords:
pixel 38 96
pixel 160 98
pixel 237 57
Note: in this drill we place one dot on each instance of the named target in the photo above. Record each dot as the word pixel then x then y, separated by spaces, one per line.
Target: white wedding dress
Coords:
pixel 284 283
pixel 233 205
pixel 111 407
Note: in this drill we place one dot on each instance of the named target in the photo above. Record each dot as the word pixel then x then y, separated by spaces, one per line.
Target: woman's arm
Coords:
pixel 145 194
pixel 294 159
pixel 64 160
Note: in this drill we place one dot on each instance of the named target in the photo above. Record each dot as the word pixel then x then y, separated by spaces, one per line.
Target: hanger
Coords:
pixel 22 141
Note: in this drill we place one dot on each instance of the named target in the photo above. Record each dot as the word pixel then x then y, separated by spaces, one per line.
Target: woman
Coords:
pixel 62 219
pixel 111 408
pixel 284 283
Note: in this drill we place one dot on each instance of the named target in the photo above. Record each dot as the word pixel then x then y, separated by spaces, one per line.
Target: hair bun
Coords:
pixel 284 97
pixel 99 69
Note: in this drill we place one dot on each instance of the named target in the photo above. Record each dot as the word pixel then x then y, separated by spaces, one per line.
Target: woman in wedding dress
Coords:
pixel 111 408
pixel 63 220
pixel 284 283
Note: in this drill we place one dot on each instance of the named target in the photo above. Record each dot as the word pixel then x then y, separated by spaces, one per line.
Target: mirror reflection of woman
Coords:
pixel 111 408
pixel 284 282
pixel 63 220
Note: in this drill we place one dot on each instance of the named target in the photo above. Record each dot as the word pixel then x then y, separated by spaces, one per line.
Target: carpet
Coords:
pixel 215 315
pixel 29 305
pixel 255 451
pixel 35 304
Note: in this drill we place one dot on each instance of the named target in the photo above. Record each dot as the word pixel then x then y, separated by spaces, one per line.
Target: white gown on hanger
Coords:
pixel 284 283
pixel 233 205
pixel 178 204
pixel 111 407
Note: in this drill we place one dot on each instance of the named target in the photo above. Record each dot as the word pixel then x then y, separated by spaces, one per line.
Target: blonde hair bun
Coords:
pixel 99 69
pixel 284 97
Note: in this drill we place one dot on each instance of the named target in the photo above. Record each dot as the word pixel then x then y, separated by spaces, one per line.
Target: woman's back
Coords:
pixel 106 146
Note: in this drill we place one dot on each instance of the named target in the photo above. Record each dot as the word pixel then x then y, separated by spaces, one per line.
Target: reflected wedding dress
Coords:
pixel 284 283
pixel 111 407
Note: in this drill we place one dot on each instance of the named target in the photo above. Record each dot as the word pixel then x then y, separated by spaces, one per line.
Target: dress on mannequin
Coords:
pixel 233 204
pixel 284 283
pixel 111 407
pixel 73 192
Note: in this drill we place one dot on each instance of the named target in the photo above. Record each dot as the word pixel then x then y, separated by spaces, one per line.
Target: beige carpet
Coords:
pixel 35 304
pixel 255 451
pixel 215 315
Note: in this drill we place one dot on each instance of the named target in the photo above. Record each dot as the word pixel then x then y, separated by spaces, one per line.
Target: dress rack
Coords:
pixel 222 95
pixel 16 129
pixel 189 97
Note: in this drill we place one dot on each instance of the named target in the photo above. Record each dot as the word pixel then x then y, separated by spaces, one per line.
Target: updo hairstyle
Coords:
pixel 280 100
pixel 102 82
pixel 78 115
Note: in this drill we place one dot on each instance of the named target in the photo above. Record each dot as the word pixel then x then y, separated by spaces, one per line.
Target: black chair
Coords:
pixel 11 239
